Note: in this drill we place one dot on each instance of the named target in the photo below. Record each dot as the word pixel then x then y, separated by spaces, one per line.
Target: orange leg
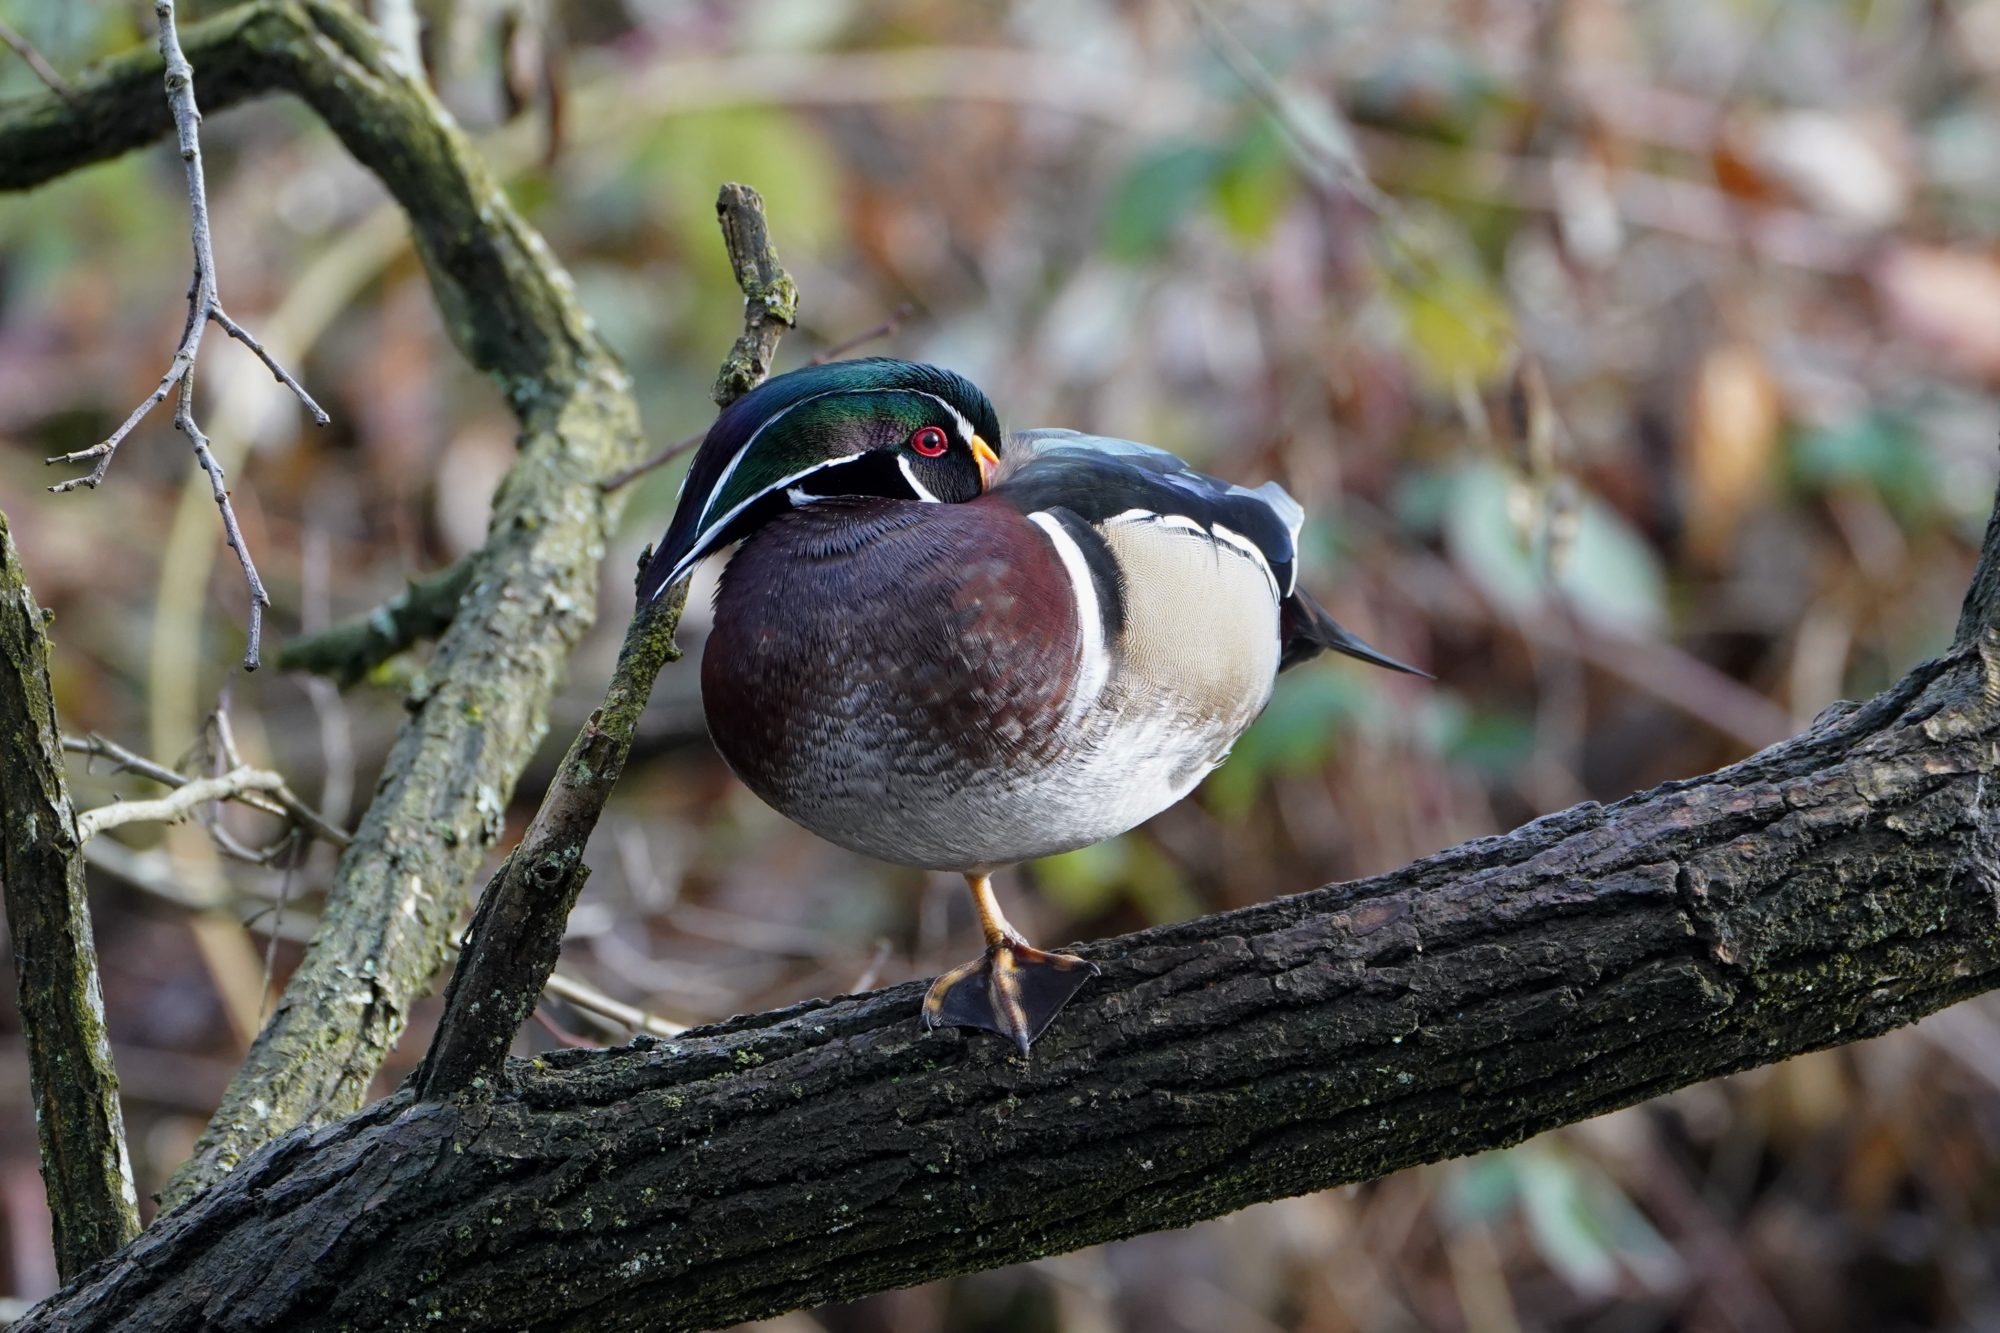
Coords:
pixel 1013 989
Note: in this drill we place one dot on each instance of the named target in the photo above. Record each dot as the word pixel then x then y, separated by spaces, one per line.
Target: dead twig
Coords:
pixel 204 304
pixel 274 798
pixel 179 804
pixel 886 329
pixel 37 62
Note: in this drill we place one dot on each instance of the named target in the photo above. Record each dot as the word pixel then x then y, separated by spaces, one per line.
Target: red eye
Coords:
pixel 930 441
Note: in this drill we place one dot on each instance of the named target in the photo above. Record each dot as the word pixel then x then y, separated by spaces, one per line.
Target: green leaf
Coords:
pixel 1161 188
pixel 1877 449
pixel 1254 183
pixel 1296 734
pixel 1609 575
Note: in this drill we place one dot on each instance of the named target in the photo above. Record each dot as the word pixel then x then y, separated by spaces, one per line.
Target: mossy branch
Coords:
pixel 350 651
pixel 531 589
pixel 517 930
pixel 77 1118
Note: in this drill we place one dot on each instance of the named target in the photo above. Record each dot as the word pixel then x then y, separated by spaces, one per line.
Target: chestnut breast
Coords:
pixel 881 669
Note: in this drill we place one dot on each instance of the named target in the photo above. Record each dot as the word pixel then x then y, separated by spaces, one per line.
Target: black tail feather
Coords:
pixel 1306 630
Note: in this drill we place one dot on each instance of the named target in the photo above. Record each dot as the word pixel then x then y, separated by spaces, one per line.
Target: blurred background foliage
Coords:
pixel 1637 363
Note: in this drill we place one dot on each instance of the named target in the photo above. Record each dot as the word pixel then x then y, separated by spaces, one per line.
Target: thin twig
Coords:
pixel 626 476
pixel 1325 149
pixel 584 996
pixel 204 304
pixel 279 800
pixel 886 329
pixel 38 63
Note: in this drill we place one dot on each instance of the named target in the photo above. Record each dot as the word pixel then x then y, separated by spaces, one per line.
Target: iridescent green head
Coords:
pixel 871 427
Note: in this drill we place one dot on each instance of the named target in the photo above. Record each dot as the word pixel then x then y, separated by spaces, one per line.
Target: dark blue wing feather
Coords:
pixel 1098 478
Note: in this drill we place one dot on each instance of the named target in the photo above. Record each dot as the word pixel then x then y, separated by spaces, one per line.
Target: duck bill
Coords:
pixel 983 453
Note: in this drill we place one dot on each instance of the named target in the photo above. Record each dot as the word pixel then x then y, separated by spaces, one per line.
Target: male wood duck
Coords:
pixel 951 649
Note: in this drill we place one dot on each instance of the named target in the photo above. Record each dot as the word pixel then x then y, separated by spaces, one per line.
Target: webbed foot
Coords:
pixel 1014 989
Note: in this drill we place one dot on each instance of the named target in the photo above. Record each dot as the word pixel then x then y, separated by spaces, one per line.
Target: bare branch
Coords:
pixel 38 63
pixel 398 890
pixel 277 800
pixel 204 304
pixel 77 1118
pixel 347 652
pixel 1831 888
pixel 517 930
pixel 582 995
pixel 183 802
pixel 770 297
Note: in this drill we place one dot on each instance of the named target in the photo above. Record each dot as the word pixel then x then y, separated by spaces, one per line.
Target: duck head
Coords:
pixel 870 427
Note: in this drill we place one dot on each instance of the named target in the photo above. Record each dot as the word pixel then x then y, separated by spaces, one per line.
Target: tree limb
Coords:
pixel 78 1122
pixel 349 651
pixel 1981 610
pixel 480 709
pixel 510 949
pixel 1830 888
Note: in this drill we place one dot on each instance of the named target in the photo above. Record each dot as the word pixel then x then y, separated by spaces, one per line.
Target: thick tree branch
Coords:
pixel 1833 887
pixel 1981 611
pixel 517 931
pixel 77 1118
pixel 480 709
pixel 349 651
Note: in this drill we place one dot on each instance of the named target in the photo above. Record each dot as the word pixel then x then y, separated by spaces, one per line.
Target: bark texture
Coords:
pixel 517 930
pixel 1828 889
pixel 479 710
pixel 78 1123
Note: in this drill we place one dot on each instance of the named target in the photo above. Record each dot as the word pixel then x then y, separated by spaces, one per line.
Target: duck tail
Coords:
pixel 1306 630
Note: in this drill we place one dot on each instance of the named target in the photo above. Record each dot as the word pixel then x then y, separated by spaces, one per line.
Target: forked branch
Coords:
pixel 204 305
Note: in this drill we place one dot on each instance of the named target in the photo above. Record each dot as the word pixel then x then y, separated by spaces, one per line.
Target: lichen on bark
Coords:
pixel 78 1123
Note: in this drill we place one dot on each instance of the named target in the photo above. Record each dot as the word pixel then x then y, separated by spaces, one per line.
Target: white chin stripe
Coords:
pixel 1095 667
pixel 910 475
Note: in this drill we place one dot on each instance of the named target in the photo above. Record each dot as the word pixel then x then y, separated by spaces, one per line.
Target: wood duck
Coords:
pixel 955 650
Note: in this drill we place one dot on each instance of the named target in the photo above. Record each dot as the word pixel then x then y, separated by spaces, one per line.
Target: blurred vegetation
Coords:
pixel 1636 363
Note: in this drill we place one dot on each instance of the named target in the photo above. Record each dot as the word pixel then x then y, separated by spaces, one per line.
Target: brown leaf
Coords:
pixel 1733 429
pixel 1946 299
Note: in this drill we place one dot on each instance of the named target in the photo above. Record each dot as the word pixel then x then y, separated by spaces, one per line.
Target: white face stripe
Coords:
pixel 965 434
pixel 706 526
pixel 1095 667
pixel 965 431
pixel 701 548
pixel 730 469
